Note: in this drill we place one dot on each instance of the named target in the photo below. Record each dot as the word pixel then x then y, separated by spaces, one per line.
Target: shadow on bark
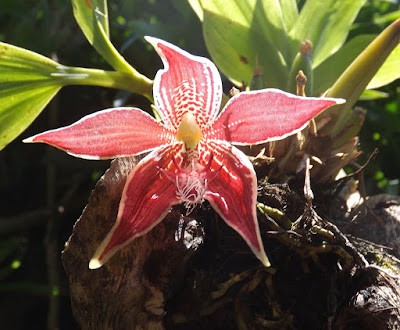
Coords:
pixel 195 272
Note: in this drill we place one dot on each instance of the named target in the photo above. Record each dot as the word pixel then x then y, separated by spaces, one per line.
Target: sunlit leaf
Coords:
pixel 197 8
pixel 92 17
pixel 390 70
pixel 26 86
pixel 368 95
pixel 326 24
pixel 387 18
pixel 355 79
pixel 330 70
pixel 28 81
pixel 290 12
pixel 240 34
pixel 267 16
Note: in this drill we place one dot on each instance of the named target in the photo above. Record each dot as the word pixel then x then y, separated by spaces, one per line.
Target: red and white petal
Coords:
pixel 146 199
pixel 233 194
pixel 187 83
pixel 108 134
pixel 265 115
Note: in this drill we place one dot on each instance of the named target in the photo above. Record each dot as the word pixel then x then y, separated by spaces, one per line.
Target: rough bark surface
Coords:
pixel 195 272
pixel 131 289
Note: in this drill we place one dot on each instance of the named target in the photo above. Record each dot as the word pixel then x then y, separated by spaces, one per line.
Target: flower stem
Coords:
pixel 133 82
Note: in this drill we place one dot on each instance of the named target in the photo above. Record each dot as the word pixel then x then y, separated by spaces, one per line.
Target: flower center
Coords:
pixel 191 187
pixel 189 131
pixel 191 182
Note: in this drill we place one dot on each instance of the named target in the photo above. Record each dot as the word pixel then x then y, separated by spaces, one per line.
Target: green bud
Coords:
pixel 302 62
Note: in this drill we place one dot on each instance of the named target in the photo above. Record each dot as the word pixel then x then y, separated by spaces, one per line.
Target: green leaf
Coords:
pixel 242 33
pixel 92 17
pixel 28 81
pixel 357 76
pixel 330 70
pixel 290 12
pixel 26 86
pixel 388 18
pixel 389 72
pixel 268 17
pixel 197 8
pixel 326 23
pixel 369 95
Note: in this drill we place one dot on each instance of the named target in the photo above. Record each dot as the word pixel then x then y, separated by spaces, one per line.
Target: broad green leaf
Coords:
pixel 240 33
pixel 326 23
pixel 26 86
pixel 268 16
pixel 197 8
pixel 369 95
pixel 28 81
pixel 264 16
pixel 290 12
pixel 233 49
pixel 92 17
pixel 388 18
pixel 330 70
pixel 357 76
pixel 389 72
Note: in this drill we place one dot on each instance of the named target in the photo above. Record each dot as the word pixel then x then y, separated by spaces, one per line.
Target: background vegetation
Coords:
pixel 36 180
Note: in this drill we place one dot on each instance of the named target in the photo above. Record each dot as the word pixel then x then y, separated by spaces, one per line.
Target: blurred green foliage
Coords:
pixel 49 28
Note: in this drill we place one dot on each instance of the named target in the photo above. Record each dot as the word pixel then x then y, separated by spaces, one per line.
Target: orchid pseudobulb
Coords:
pixel 192 156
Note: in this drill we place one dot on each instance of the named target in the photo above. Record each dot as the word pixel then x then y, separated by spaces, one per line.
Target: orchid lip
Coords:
pixel 192 184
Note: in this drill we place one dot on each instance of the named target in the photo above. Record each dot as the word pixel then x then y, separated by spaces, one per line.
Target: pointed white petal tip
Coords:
pixel 28 140
pixel 340 101
pixel 94 263
pixel 151 40
pixel 265 261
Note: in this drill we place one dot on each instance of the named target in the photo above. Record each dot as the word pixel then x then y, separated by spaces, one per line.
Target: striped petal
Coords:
pixel 108 134
pixel 233 194
pixel 265 115
pixel 186 84
pixel 146 199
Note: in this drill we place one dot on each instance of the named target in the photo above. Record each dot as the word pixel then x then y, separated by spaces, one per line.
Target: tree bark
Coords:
pixel 130 291
pixel 195 272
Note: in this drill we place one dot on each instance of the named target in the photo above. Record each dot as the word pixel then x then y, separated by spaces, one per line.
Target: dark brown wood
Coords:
pixel 131 289
pixel 197 273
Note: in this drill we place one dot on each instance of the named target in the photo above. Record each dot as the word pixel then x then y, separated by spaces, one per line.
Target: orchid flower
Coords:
pixel 192 157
